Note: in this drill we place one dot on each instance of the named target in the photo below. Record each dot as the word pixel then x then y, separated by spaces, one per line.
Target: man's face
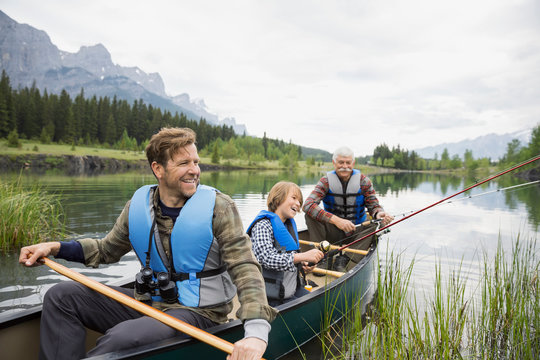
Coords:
pixel 343 166
pixel 181 175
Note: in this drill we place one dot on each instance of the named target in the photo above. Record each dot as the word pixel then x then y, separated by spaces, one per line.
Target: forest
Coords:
pixel 26 113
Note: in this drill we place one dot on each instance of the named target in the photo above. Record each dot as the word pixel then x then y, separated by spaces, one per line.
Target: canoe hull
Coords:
pixel 298 321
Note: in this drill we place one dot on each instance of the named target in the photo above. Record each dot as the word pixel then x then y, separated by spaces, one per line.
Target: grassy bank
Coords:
pixel 35 147
pixel 501 320
pixel 28 216
pixel 53 150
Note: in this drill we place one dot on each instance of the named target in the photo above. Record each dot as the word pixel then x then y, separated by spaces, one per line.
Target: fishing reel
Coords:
pixel 145 284
pixel 324 246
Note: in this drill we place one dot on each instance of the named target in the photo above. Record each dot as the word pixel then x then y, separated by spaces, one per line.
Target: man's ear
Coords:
pixel 157 169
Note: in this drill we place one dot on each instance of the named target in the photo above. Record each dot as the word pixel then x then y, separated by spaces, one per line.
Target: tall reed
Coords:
pixel 28 216
pixel 501 320
pixel 507 314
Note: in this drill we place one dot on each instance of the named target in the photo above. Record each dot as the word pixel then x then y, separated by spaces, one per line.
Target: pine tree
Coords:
pixel 215 154
pixel 7 110
pixel 265 145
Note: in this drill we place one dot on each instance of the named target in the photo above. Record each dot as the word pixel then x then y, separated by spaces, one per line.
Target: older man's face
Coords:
pixel 343 166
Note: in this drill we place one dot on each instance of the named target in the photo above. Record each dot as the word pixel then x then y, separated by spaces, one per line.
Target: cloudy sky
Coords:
pixel 325 73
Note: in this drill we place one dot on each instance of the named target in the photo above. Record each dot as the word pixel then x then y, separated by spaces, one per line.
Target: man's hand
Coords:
pixel 343 224
pixel 250 348
pixel 30 254
pixel 386 218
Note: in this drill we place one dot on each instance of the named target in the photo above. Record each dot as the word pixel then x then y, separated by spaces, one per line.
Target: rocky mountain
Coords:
pixel 29 57
pixel 492 146
pixel 198 106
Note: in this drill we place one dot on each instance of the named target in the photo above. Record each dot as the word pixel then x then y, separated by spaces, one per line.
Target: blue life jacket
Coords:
pixel 280 285
pixel 281 234
pixel 200 275
pixel 346 203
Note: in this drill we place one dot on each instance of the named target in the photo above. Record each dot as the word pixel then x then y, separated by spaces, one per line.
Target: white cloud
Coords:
pixel 321 73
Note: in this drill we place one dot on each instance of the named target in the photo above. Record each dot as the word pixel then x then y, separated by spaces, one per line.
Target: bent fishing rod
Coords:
pixel 333 252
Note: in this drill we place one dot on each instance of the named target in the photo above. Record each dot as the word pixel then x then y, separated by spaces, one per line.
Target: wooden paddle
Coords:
pixel 316 244
pixel 175 323
pixel 328 272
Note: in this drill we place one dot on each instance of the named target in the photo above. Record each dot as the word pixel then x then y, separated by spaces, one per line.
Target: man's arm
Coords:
pixel 112 247
pixel 91 252
pixel 311 205
pixel 370 197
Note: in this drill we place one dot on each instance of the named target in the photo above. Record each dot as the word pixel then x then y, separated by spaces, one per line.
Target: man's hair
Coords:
pixel 279 192
pixel 343 151
pixel 164 145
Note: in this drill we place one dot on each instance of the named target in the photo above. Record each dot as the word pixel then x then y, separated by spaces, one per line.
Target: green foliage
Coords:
pixel 215 154
pixel 515 153
pixel 126 142
pixel 229 150
pixel 13 139
pixel 107 123
pixel 59 119
pixel 28 216
pixel 253 150
pixel 500 321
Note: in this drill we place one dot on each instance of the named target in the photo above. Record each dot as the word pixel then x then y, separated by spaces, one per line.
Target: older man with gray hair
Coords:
pixel 346 194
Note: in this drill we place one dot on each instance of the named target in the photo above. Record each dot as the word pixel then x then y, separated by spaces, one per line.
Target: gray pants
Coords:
pixel 70 307
pixel 319 231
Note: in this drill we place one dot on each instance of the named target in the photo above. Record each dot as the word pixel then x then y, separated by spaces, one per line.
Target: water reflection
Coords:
pixel 457 231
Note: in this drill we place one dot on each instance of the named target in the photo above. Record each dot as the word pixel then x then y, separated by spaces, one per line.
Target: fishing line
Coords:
pixel 526 162
pixel 466 197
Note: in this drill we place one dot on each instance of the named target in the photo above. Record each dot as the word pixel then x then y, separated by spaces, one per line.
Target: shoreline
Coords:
pixel 82 164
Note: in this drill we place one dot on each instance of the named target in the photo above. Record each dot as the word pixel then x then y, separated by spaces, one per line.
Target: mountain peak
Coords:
pixel 29 56
pixel 490 145
pixel 97 50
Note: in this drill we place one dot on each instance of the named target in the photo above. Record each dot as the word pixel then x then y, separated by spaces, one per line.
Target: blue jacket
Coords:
pixel 280 285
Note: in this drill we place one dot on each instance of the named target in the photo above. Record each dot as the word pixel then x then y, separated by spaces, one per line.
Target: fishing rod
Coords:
pixel 333 252
pixel 481 194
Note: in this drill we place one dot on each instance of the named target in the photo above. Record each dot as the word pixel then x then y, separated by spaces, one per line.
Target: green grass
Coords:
pixel 28 216
pixel 499 320
pixel 29 147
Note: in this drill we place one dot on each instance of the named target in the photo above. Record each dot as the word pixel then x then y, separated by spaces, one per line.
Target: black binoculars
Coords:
pixel 145 284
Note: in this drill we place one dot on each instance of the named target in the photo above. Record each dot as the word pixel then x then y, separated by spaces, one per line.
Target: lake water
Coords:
pixel 450 234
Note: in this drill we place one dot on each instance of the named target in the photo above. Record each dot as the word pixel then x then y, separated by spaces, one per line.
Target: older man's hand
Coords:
pixel 386 218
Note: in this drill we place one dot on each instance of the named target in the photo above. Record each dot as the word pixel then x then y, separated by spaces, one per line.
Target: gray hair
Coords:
pixel 343 151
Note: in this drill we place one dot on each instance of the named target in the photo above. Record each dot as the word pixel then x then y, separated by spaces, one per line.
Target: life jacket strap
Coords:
pixel 200 275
